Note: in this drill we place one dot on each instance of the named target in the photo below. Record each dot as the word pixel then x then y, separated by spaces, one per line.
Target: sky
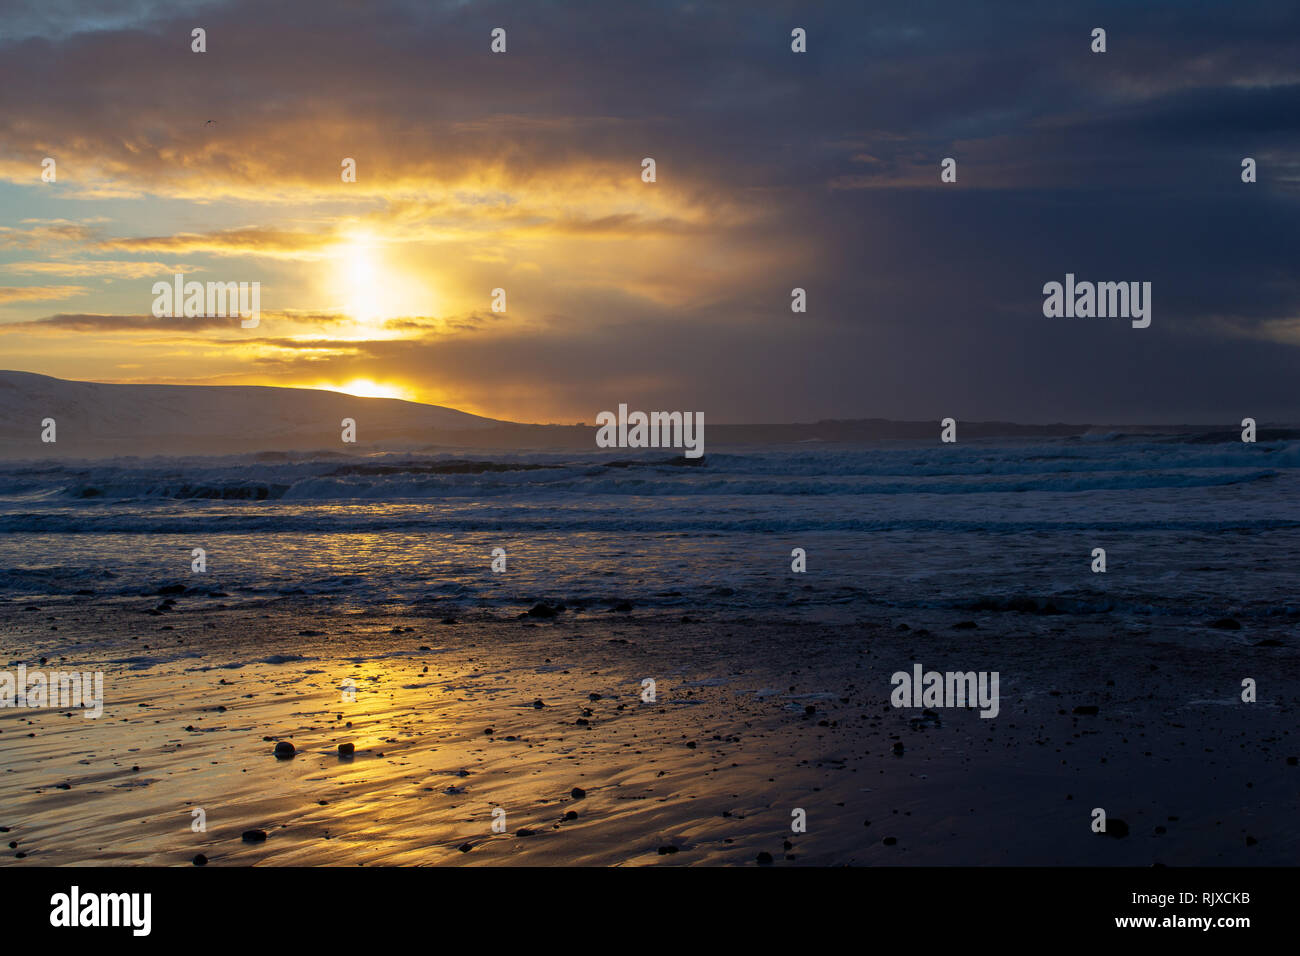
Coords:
pixel 774 170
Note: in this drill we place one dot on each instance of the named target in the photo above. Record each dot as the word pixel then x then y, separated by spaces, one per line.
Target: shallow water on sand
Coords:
pixel 749 724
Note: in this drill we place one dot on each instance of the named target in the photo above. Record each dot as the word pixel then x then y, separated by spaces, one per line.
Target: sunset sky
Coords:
pixel 774 170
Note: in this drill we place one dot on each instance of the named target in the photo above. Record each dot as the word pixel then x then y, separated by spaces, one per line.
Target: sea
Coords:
pixel 1192 528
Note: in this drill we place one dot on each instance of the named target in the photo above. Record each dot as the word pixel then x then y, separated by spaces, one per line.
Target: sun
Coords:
pixel 367 282
pixel 361 288
pixel 366 388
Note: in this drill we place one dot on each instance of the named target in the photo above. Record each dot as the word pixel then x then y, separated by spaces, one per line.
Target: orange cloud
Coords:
pixel 39 293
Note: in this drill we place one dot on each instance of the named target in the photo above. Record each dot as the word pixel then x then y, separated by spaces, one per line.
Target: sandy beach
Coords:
pixel 753 719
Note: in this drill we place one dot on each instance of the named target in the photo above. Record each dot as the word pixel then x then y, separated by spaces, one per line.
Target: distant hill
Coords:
pixel 96 420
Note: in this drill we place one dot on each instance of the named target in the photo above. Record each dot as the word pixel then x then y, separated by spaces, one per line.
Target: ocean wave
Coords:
pixel 542 520
pixel 566 483
pixel 1079 465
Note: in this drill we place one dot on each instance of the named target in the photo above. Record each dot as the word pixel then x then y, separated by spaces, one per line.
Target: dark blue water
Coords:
pixel 1189 528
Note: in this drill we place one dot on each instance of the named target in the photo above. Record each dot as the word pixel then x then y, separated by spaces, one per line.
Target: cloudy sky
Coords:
pixel 775 170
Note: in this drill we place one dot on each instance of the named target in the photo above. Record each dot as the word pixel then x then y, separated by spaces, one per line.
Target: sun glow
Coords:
pixel 360 285
pixel 365 283
pixel 366 388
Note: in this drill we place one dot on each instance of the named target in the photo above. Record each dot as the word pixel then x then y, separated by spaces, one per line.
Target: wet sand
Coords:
pixel 753 720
